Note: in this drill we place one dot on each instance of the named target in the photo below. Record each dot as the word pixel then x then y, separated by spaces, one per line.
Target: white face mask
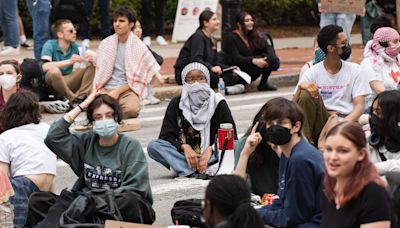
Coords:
pixel 7 81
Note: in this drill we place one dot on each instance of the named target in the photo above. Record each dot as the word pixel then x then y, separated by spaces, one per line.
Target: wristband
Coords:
pixel 79 106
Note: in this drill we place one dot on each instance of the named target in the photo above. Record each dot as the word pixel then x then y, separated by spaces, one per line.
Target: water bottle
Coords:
pixel 221 86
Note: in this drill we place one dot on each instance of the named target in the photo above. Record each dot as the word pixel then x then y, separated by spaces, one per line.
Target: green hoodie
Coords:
pixel 121 167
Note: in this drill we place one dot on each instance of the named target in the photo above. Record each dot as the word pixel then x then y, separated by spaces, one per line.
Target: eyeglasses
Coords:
pixel 192 80
pixel 71 30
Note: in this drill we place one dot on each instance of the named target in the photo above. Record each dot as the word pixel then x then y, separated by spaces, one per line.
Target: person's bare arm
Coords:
pixel 5 168
pixel 377 86
pixel 380 224
pixel 357 110
pixel 59 64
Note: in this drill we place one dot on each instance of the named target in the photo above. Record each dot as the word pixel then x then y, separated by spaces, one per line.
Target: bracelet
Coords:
pixel 79 106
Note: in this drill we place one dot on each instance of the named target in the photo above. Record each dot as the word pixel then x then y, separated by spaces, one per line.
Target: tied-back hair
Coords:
pixel 364 171
pixel 21 108
pixel 107 100
pixel 230 195
pixel 206 15
pixel 255 40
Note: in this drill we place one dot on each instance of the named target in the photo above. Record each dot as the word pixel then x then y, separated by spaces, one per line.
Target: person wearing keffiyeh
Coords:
pixel 190 125
pixel 124 65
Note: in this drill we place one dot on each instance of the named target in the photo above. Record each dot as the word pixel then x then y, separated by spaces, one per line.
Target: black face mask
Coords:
pixel 346 52
pixel 278 135
pixel 375 124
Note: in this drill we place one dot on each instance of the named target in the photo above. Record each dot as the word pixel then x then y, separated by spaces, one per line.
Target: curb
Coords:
pixel 280 80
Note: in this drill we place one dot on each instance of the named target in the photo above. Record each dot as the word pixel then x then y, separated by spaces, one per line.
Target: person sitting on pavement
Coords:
pixel 9 80
pixel 332 87
pixel 354 195
pixel 227 204
pixel 124 64
pixel 381 62
pixel 248 49
pixel 301 168
pixel 30 164
pixel 150 99
pixel 102 159
pixel 262 166
pixel 59 56
pixel 190 124
pixel 384 142
pixel 200 48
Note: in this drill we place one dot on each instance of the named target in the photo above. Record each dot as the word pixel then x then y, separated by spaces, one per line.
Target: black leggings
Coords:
pixel 46 208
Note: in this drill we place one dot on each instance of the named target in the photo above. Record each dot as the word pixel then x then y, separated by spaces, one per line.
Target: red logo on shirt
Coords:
pixel 395 76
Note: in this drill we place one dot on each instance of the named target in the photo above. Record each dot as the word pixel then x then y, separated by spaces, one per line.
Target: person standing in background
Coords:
pixel 159 22
pixel 104 8
pixel 9 25
pixel 40 13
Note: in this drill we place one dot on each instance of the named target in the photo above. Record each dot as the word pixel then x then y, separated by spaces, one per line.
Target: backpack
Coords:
pixel 187 212
pixel 73 10
pixel 32 78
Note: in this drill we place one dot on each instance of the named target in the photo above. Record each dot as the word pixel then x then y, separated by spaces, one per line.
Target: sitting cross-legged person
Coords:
pixel 124 64
pixel 102 159
pixel 190 124
pixel 29 163
pixel 331 87
pixel 59 56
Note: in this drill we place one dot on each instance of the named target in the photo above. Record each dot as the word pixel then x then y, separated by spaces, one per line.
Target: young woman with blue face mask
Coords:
pixel 101 158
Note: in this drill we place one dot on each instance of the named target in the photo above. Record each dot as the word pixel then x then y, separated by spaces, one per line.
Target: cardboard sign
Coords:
pixel 343 6
pixel 118 224
pixel 187 17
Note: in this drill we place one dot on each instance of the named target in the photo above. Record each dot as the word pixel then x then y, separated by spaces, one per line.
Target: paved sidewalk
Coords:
pixel 293 52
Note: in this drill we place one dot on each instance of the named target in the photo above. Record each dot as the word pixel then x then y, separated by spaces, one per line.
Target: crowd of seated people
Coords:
pixel 324 167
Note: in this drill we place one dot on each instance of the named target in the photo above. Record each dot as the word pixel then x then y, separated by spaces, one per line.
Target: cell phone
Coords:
pixel 261 126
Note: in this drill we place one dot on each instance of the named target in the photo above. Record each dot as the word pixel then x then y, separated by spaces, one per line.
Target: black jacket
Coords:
pixel 170 129
pixel 198 48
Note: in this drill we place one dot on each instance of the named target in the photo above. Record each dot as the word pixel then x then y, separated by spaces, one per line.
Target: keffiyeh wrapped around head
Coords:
pixel 198 102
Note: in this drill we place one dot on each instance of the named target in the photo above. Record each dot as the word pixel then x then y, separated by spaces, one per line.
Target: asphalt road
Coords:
pixel 166 190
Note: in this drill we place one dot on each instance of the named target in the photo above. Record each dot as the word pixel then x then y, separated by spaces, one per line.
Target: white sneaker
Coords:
pixel 235 89
pixel 147 40
pixel 86 43
pixel 161 41
pixel 8 50
pixel 153 100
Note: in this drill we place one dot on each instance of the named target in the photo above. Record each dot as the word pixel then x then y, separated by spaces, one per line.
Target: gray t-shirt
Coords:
pixel 118 78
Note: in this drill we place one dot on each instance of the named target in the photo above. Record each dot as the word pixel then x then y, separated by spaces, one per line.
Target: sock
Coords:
pixel 22 39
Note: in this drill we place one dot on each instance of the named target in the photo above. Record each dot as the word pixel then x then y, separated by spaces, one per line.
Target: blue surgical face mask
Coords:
pixel 105 128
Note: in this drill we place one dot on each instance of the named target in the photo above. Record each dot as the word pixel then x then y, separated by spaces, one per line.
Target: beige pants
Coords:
pixel 130 104
pixel 76 84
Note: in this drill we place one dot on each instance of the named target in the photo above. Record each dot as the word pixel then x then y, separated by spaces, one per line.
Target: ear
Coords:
pixel 330 48
pixel 131 25
pixel 19 77
pixel 296 127
pixel 363 153
pixel 59 35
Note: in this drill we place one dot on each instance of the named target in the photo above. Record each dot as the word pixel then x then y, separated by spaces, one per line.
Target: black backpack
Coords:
pixel 187 212
pixel 32 78
pixel 73 10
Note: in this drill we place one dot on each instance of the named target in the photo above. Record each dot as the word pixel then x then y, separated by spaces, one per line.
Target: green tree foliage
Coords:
pixel 265 12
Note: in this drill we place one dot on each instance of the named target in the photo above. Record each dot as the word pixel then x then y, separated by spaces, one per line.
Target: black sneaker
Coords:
pixel 267 87
pixel 27 45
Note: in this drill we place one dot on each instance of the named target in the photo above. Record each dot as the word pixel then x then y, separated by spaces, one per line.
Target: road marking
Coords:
pixel 179 185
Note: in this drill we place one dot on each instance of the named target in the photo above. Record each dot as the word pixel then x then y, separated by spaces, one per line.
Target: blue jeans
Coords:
pixel 104 8
pixel 165 153
pixel 40 13
pixel 9 22
pixel 343 20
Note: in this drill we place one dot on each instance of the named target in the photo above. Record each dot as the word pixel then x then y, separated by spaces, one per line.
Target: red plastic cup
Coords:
pixel 226 131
